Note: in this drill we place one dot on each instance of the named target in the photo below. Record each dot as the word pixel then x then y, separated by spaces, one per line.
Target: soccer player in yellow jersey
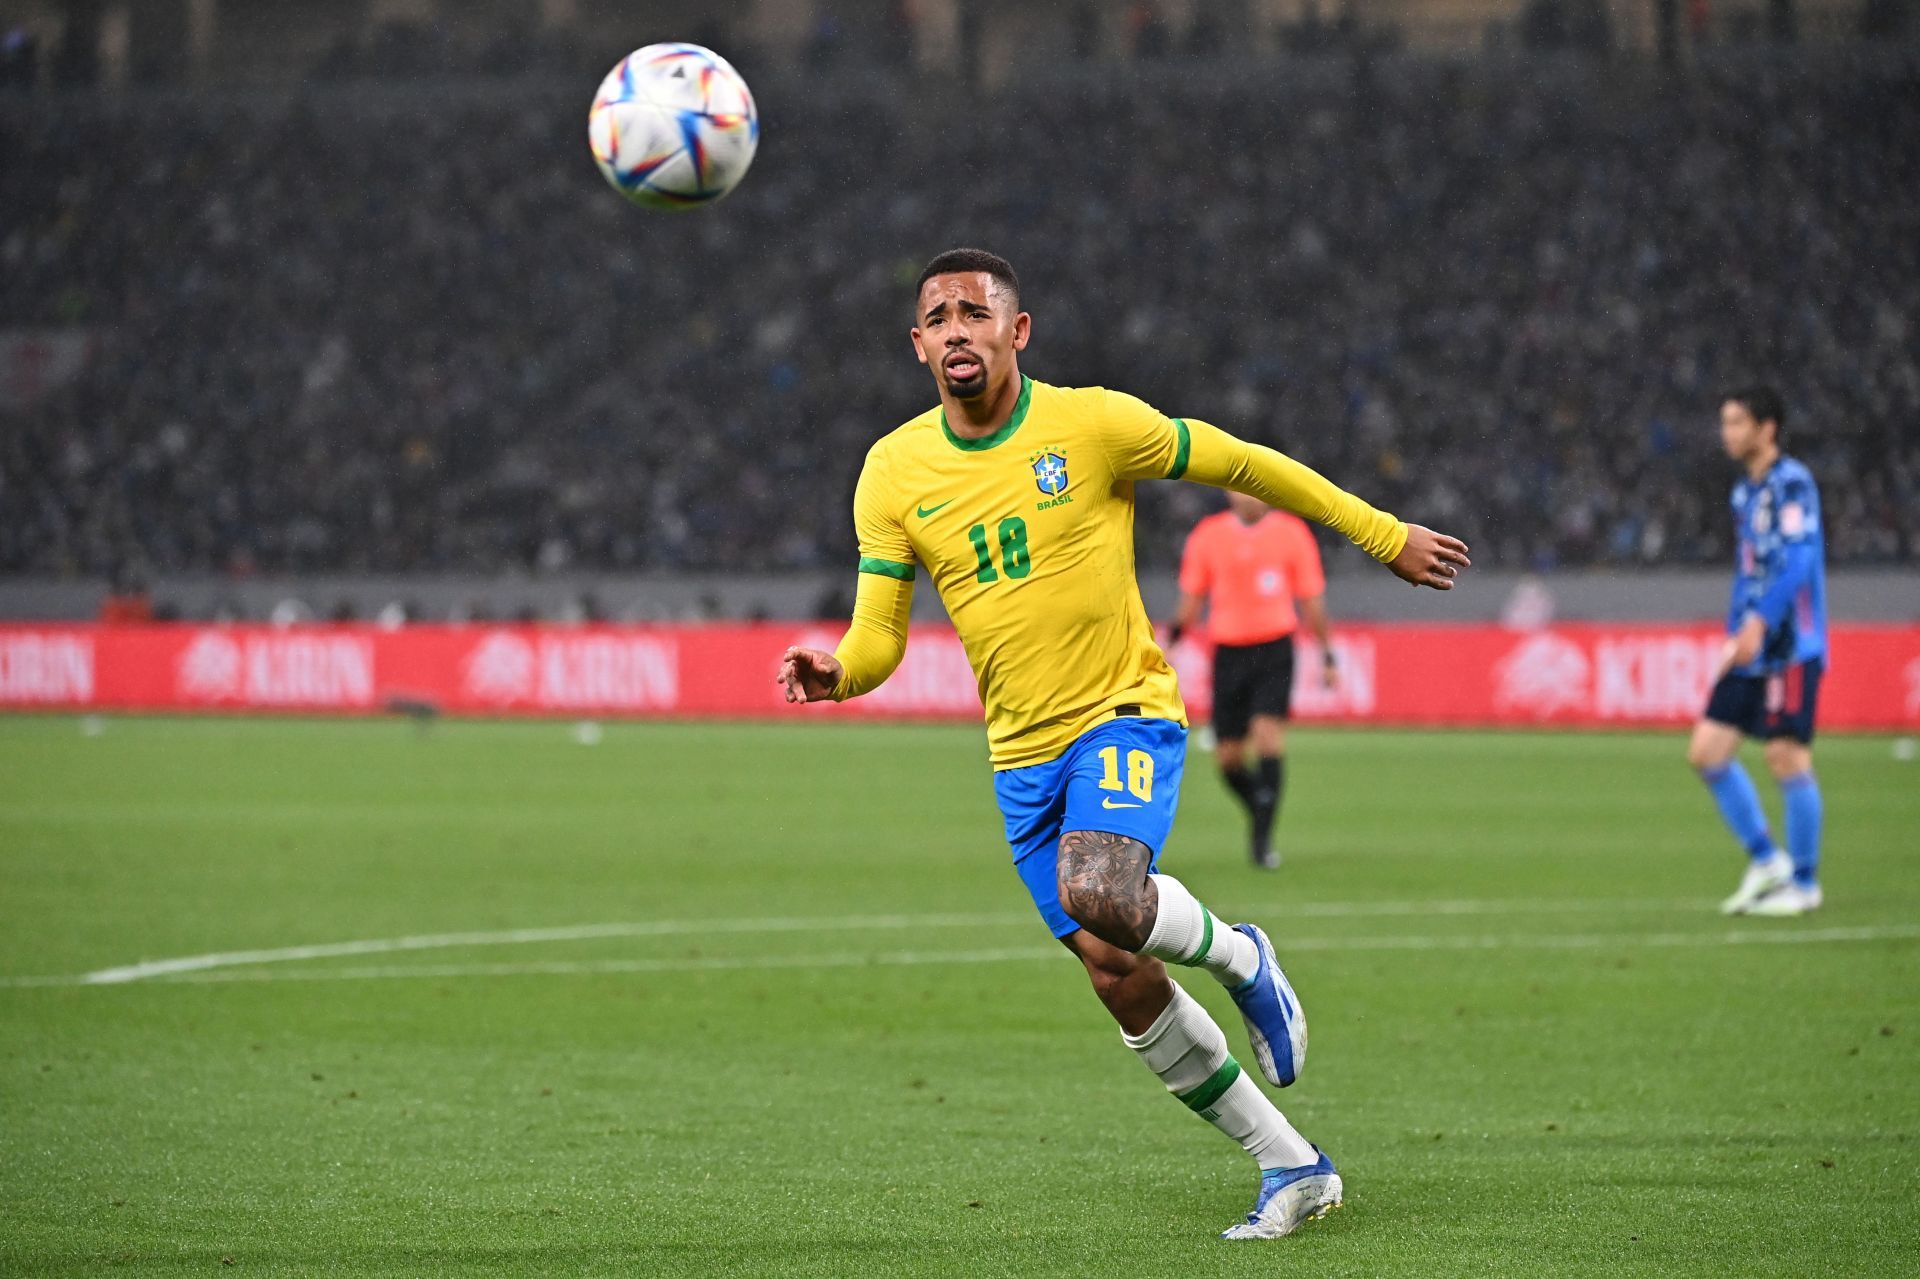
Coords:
pixel 1017 498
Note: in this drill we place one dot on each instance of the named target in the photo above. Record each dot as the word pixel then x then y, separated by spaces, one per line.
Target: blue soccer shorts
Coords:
pixel 1122 777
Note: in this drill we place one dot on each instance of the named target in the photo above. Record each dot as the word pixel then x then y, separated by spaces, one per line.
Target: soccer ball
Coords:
pixel 673 127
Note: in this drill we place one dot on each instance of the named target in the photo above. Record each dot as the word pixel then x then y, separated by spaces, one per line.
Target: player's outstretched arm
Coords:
pixel 869 652
pixel 1415 554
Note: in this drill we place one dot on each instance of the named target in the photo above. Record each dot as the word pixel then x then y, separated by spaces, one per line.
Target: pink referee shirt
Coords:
pixel 1251 574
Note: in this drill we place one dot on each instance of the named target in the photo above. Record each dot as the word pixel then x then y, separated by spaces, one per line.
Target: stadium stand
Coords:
pixel 356 329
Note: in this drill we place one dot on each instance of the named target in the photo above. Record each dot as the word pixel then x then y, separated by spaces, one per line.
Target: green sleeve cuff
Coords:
pixel 886 568
pixel 1181 449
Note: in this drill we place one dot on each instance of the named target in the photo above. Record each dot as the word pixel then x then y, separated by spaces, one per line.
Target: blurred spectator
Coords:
pixel 1566 24
pixel 1529 606
pixel 19 59
pixel 361 333
pixel 128 601
pixel 1147 30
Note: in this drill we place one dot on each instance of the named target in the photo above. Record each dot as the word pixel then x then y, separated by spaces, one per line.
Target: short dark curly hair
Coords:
pixel 1764 403
pixel 956 260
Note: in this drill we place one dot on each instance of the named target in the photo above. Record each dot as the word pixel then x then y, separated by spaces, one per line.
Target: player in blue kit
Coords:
pixel 1777 651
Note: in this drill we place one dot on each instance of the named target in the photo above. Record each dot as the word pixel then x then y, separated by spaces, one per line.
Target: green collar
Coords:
pixel 1000 436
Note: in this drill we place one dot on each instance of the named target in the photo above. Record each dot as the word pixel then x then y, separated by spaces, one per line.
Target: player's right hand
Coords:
pixel 808 674
pixel 1430 558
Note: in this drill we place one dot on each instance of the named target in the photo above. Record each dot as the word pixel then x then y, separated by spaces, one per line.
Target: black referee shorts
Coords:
pixel 1249 680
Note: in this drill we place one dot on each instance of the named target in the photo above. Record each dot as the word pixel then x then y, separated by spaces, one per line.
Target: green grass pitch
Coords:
pixel 823 1034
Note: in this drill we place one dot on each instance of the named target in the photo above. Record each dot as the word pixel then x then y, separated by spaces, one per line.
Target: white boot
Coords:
pixel 1762 877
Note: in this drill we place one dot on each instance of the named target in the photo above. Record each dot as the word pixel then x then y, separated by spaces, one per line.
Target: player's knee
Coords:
pixel 1704 753
pixel 1112 912
pixel 1787 758
pixel 1269 735
pixel 1087 902
pixel 1104 887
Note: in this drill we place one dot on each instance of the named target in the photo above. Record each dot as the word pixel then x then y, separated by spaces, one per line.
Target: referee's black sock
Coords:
pixel 1273 779
pixel 1269 784
pixel 1244 785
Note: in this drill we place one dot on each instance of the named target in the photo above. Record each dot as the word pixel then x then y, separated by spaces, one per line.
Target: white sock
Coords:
pixel 1187 933
pixel 1186 1049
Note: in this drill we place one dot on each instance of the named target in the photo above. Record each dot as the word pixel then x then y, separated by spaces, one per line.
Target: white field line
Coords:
pixel 1561 941
pixel 794 924
pixel 1495 906
pixel 1762 935
pixel 572 968
pixel 528 936
pixel 912 958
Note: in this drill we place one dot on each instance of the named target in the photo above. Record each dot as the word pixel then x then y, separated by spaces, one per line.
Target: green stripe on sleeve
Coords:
pixel 1184 447
pixel 886 568
pixel 1216 1086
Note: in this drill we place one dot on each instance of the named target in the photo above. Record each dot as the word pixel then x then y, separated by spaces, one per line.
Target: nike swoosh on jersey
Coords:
pixel 1107 803
pixel 924 511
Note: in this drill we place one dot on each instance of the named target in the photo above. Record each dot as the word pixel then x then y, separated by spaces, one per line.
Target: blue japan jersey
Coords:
pixel 1780 566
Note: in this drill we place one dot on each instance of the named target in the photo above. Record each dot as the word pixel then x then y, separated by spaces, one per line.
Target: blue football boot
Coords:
pixel 1276 1024
pixel 1289 1198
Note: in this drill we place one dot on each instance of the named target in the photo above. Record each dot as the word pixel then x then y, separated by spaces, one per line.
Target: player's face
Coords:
pixel 1740 435
pixel 968 332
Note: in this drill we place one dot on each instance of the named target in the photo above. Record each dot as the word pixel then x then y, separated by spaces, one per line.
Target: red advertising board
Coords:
pixel 1572 675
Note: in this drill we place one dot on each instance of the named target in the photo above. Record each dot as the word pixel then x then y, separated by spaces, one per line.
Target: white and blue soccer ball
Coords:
pixel 673 126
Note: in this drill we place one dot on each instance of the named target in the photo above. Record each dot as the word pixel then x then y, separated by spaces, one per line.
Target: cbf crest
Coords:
pixel 1050 472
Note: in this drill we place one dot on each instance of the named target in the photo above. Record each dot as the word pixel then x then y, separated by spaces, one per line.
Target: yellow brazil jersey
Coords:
pixel 1028 537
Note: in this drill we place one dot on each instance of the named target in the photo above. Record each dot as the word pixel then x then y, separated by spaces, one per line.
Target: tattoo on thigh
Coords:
pixel 1104 886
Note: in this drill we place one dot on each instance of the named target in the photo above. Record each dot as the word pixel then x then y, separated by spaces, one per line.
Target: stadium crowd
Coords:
pixel 371 329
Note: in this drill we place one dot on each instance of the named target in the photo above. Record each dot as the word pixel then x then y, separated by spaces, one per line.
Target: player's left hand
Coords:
pixel 1329 676
pixel 1430 558
pixel 808 674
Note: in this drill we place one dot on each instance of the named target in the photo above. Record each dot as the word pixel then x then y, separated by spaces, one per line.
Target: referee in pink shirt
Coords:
pixel 1257 572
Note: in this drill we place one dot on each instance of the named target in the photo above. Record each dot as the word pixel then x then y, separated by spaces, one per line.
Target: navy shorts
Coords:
pixel 1769 706
pixel 1122 777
